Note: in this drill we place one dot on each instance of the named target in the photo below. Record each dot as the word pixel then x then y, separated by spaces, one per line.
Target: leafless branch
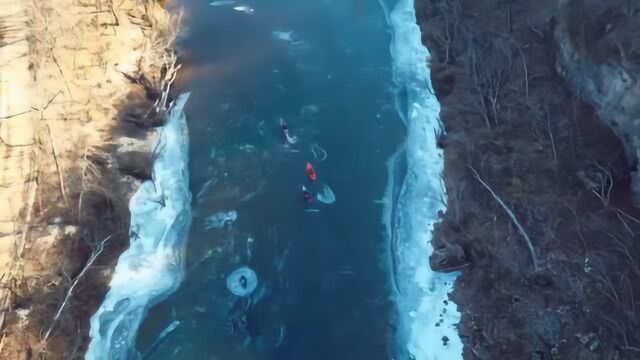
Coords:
pixel 94 255
pixel 605 184
pixel 511 215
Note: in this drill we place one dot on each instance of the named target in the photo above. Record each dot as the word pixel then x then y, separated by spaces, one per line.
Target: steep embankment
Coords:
pixel 539 216
pixel 79 81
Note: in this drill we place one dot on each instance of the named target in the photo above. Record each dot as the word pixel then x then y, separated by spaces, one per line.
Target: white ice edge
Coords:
pixel 153 265
pixel 426 315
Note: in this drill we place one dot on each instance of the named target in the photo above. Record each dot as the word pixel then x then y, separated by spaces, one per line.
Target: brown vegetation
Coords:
pixel 89 145
pixel 539 216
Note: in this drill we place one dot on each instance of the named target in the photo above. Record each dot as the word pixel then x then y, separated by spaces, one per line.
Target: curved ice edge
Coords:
pixel 152 267
pixel 427 318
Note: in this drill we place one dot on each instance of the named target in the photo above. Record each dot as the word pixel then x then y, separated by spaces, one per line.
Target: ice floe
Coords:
pixel 245 9
pixel 221 219
pixel 242 282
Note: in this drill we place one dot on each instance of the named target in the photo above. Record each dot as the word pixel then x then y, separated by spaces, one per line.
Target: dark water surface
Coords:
pixel 323 289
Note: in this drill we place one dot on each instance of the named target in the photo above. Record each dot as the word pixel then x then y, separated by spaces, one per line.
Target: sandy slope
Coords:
pixel 62 83
pixel 17 128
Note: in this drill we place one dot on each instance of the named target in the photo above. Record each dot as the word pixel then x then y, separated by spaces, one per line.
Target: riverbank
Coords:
pixel 540 220
pixel 79 83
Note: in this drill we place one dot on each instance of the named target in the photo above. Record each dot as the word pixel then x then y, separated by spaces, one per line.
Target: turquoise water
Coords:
pixel 323 292
pixel 344 277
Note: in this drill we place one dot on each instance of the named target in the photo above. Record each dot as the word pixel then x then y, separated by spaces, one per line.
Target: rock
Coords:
pixel 138 164
pixel 449 258
pixel 445 340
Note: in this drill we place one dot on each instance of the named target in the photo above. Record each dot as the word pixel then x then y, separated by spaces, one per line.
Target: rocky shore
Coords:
pixel 82 85
pixel 539 118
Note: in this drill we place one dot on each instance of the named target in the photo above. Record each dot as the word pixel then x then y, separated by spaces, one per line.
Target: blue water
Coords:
pixel 322 274
pixel 344 280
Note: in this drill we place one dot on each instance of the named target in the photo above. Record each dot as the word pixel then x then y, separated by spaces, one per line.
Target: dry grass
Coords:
pixel 79 197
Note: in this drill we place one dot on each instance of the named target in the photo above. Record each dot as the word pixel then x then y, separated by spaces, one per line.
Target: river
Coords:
pixel 336 280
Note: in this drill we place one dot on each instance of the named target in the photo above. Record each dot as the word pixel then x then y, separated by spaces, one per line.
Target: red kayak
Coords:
pixel 311 173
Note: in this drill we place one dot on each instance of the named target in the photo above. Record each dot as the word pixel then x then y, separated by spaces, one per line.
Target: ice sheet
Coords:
pixel 153 265
pixel 427 328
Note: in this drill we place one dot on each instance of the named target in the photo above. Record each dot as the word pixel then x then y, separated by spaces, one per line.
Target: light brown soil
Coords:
pixel 68 117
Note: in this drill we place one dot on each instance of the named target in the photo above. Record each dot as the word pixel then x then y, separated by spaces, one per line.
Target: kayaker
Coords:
pixel 285 130
pixel 311 173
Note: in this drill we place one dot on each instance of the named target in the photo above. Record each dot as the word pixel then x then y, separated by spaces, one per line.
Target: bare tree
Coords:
pixel 486 65
pixel 450 12
pixel 601 183
pixel 543 128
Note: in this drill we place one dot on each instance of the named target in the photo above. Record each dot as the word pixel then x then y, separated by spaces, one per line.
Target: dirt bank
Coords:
pixel 81 91
pixel 540 217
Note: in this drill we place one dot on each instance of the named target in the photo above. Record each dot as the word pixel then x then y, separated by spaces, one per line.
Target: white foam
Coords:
pixel 427 328
pixel 153 265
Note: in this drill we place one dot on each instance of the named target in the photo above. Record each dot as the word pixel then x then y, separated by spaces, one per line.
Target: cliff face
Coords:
pixel 599 56
pixel 539 215
pixel 79 82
